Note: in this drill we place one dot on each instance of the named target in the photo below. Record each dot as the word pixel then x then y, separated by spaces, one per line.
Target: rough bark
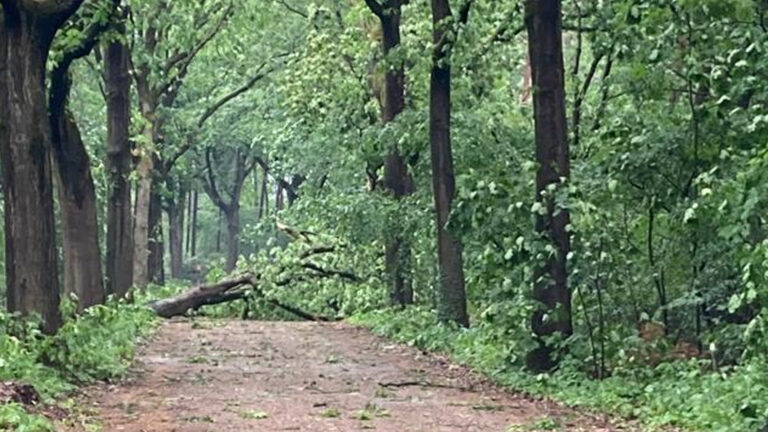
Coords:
pixel 25 145
pixel 77 195
pixel 396 177
pixel 550 285
pixel 119 265
pixel 176 233
pixel 452 303
pixel 80 226
pixel 233 235
pixel 141 224
pixel 156 259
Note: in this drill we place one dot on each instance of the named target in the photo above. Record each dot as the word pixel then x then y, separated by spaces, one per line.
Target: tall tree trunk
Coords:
pixel 218 233
pixel 118 165
pixel 264 199
pixel 188 238
pixel 193 224
pixel 77 200
pixel 156 259
pixel 452 301
pixel 141 217
pixel 550 284
pixel 176 234
pixel 25 145
pixel 233 235
pixel 396 178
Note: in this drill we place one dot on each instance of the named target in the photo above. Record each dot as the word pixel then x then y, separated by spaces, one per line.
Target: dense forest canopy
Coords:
pixel 580 183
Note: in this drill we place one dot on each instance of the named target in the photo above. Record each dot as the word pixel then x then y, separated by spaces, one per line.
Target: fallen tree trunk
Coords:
pixel 222 292
pixel 247 285
pixel 199 296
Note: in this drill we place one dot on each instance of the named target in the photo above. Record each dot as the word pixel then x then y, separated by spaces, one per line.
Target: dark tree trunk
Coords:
pixel 77 200
pixel 264 199
pixel 550 284
pixel 118 165
pixel 176 232
pixel 452 301
pixel 193 224
pixel 396 178
pixel 188 237
pixel 233 236
pixel 218 233
pixel 155 261
pixel 25 145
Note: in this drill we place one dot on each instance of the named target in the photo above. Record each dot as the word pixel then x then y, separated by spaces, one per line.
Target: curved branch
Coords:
pixel 376 8
pixel 210 184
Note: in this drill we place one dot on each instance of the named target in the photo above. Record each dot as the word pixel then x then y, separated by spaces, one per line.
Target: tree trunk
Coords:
pixel 218 233
pixel 188 238
pixel 141 232
pixel 156 259
pixel 77 201
pixel 233 235
pixel 193 225
pixel 550 284
pixel 264 198
pixel 176 229
pixel 452 302
pixel 25 143
pixel 118 165
pixel 396 178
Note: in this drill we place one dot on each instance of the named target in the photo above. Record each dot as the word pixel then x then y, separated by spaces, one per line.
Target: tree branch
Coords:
pixel 233 94
pixel 376 8
pixel 293 9
pixel 210 184
pixel 183 64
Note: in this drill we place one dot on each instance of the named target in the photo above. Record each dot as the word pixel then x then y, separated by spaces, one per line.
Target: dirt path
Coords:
pixel 209 376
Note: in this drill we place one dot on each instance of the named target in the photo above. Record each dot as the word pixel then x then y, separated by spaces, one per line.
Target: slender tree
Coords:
pixel 550 286
pixel 452 300
pixel 396 177
pixel 229 208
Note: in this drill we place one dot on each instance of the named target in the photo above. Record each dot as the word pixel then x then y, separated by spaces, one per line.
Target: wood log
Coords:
pixel 199 296
pixel 222 292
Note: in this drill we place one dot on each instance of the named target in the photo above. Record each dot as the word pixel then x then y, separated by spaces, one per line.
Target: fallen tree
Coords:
pixel 248 285
pixel 238 288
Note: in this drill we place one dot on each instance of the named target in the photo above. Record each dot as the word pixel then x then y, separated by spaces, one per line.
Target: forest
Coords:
pixel 564 199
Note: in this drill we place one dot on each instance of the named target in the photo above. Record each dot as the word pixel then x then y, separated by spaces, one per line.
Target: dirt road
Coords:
pixel 222 376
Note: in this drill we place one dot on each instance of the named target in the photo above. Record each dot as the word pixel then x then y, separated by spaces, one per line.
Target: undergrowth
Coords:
pixel 98 345
pixel 683 394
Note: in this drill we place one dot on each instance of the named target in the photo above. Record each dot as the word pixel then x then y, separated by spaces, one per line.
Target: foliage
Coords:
pixel 683 394
pixel 96 346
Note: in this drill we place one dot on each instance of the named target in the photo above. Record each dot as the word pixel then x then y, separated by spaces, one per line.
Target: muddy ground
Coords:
pixel 222 376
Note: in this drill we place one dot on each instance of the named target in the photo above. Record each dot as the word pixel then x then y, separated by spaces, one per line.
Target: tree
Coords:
pixel 452 298
pixel 83 274
pixel 241 166
pixel 397 180
pixel 27 30
pixel 119 264
pixel 160 65
pixel 550 285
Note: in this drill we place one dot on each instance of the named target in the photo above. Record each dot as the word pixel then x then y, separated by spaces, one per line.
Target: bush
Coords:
pixel 97 345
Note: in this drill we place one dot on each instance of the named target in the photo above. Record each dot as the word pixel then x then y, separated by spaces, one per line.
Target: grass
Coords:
pixel 97 345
